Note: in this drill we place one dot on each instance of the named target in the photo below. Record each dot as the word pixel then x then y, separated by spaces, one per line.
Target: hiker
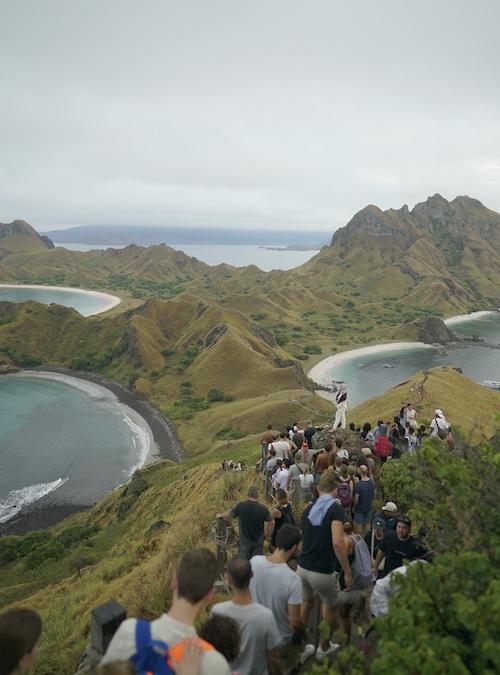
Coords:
pixel 281 446
pixel 280 479
pixel 345 490
pixel 322 461
pixel 439 426
pixel 367 434
pixel 304 453
pixel 255 523
pixel 192 587
pixel 272 460
pixel 223 633
pixel 422 435
pixel 374 538
pixel 340 451
pixel 386 587
pixel 323 531
pixel 360 565
pixel 306 483
pixel 364 492
pixel 277 587
pixel 259 634
pixel 388 514
pixel 282 514
pixel 397 547
pixel 341 403
pixel 309 432
pixel 20 631
pixel 378 428
pixel 411 416
pixel 267 437
pixel 383 446
pixel 368 460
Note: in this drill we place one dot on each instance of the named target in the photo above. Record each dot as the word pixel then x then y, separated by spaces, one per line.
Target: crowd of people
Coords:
pixel 315 535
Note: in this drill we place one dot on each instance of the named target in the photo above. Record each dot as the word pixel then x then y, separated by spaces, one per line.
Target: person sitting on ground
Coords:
pixel 340 451
pixel 397 547
pixel 255 523
pixel 192 587
pixel 259 634
pixel 223 633
pixel 282 514
pixel 20 631
pixel 323 530
pixel 277 587
pixel 389 514
pixel 364 492
pixel 374 538
pixel 439 425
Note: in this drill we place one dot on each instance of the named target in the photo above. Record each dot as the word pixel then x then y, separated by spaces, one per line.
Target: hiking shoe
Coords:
pixel 308 652
pixel 323 653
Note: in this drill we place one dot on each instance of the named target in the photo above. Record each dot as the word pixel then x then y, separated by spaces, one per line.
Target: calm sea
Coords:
pixel 368 375
pixel 64 443
pixel 238 256
pixel 85 303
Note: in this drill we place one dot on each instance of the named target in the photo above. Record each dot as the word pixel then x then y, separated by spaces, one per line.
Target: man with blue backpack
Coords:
pixel 151 645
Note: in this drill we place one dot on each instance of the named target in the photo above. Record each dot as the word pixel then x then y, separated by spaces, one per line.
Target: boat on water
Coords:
pixel 492 384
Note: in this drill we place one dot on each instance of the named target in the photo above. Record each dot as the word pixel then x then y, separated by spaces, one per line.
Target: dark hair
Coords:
pixel 281 494
pixel 20 630
pixel 366 427
pixel 253 492
pixel 283 434
pixel 405 520
pixel 328 446
pixel 380 422
pixel 288 463
pixel 240 571
pixel 224 634
pixel 196 574
pixel 347 528
pixel 272 451
pixel 352 426
pixel 338 442
pixel 269 426
pixel 287 537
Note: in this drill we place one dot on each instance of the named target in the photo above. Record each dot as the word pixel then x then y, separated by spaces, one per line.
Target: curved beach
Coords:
pixel 459 318
pixel 109 300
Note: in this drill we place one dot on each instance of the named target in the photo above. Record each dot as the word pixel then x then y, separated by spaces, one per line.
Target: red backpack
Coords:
pixel 344 493
pixel 383 447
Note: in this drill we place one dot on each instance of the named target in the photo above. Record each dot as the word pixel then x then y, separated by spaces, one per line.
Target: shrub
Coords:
pixel 312 349
pixel 218 395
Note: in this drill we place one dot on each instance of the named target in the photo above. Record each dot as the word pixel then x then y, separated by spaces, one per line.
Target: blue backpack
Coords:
pixel 151 656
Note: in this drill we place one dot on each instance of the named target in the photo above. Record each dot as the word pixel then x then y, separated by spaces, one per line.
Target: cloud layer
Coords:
pixel 280 114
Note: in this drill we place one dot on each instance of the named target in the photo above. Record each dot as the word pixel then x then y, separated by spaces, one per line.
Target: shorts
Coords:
pixel 349 597
pixel 324 585
pixel 362 518
pixel 249 550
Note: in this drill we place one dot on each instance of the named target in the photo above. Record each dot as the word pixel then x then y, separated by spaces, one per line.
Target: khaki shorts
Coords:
pixel 324 585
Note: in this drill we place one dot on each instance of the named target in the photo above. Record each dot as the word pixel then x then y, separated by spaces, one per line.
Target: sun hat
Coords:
pixel 366 451
pixel 390 506
pixel 438 412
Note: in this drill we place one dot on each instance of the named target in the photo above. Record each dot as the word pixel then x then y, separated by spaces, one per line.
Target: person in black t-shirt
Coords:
pixel 255 524
pixel 396 547
pixel 323 545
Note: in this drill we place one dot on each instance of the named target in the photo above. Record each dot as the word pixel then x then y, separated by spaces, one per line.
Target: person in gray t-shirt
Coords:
pixel 259 634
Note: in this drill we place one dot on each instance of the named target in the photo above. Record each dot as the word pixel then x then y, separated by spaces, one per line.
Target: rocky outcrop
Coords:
pixel 215 334
pixel 432 330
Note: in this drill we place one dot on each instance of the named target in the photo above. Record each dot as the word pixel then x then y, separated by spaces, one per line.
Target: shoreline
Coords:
pixel 111 300
pixel 318 373
pixel 40 515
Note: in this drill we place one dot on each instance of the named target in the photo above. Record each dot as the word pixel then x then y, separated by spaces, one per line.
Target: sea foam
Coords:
pixel 17 499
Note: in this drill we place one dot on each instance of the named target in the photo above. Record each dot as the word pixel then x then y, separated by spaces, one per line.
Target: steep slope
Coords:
pixel 469 407
pixel 19 236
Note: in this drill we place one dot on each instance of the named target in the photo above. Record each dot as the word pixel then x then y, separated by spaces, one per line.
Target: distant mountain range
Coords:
pixel 121 235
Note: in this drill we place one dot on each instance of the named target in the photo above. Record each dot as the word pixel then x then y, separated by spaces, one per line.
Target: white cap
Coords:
pixel 390 506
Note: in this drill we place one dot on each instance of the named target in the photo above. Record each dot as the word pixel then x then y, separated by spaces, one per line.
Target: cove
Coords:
pixel 87 303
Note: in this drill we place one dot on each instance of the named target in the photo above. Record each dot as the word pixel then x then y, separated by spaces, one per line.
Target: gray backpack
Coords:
pixel 362 564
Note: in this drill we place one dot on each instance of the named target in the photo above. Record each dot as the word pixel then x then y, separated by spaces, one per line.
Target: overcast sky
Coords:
pixel 270 113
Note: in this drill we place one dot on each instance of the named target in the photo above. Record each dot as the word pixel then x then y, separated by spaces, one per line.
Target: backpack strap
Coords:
pixel 142 634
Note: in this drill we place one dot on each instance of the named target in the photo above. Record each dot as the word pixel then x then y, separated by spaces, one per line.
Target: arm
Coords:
pixel 378 559
pixel 340 549
pixel 273 663
pixel 227 515
pixel 296 621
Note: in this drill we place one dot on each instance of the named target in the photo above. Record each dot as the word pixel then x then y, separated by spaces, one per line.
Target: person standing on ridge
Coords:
pixel 255 523
pixel 341 403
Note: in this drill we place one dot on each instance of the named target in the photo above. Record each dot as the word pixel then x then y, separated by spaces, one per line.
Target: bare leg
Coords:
pixel 330 615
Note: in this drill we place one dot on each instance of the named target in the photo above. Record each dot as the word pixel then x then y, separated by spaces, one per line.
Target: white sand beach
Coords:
pixel 459 318
pixel 323 372
pixel 111 300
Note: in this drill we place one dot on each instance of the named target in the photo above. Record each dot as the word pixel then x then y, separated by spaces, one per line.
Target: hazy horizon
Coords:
pixel 280 115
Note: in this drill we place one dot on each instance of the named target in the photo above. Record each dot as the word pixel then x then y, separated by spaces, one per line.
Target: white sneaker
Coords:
pixel 308 652
pixel 323 653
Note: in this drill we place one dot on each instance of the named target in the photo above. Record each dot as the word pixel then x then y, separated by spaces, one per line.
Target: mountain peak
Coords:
pixel 23 229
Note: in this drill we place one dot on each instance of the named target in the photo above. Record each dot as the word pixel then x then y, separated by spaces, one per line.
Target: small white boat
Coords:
pixel 388 365
pixel 492 384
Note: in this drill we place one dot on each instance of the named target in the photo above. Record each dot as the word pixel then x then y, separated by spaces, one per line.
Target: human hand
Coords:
pixel 347 581
pixel 191 658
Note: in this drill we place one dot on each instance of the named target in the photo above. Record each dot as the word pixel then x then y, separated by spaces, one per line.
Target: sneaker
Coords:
pixel 308 652
pixel 323 653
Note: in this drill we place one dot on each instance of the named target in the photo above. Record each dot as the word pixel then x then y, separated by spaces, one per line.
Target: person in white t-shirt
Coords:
pixel 193 591
pixel 439 425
